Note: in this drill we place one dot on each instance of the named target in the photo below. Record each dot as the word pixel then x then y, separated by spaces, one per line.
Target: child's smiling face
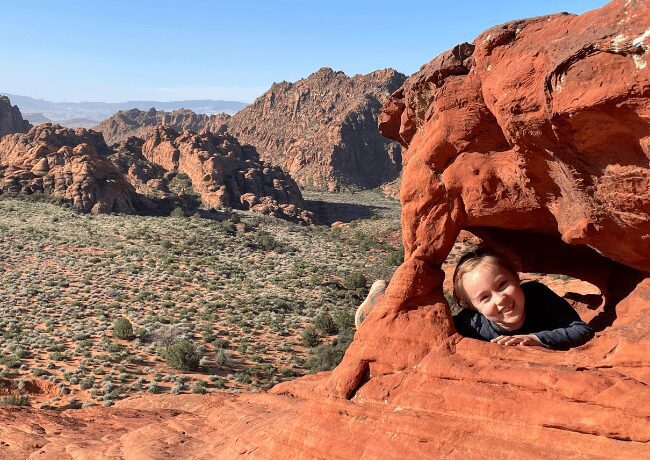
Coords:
pixel 496 293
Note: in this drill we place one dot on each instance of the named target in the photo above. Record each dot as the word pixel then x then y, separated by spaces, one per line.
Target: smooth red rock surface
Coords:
pixel 534 138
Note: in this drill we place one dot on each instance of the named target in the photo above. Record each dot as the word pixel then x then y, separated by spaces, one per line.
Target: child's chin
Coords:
pixel 512 325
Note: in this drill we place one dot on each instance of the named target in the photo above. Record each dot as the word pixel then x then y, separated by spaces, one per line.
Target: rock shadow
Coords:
pixel 327 213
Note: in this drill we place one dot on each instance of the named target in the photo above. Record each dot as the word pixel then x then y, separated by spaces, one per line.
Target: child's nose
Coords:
pixel 500 301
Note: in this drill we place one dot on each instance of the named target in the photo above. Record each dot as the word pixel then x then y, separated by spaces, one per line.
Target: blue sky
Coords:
pixel 116 50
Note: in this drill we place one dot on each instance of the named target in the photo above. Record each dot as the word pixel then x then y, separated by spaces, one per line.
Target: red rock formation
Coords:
pixel 499 149
pixel 224 173
pixel 534 137
pixel 67 164
pixel 11 120
pixel 138 123
pixel 323 129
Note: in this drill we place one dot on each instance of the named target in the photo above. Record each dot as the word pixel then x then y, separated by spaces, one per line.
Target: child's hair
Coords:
pixel 468 262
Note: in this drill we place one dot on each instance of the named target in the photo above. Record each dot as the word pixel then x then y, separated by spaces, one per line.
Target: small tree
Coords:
pixel 182 355
pixel 355 280
pixel 325 324
pixel 310 337
pixel 177 212
pixel 122 329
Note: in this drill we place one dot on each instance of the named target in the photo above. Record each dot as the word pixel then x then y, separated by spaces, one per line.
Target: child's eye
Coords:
pixel 502 284
pixel 483 298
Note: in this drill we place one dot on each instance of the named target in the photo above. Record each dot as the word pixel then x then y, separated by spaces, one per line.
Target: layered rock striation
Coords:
pixel 139 123
pixel 64 163
pixel 323 129
pixel 11 120
pixel 535 138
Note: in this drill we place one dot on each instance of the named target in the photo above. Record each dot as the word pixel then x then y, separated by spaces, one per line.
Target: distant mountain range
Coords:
pixel 86 114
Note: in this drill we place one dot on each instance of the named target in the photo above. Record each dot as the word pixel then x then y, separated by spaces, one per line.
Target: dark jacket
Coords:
pixel 548 316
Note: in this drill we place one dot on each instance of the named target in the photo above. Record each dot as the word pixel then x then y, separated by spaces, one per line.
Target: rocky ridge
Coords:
pixel 134 176
pixel 11 120
pixel 64 163
pixel 323 129
pixel 221 171
pixel 139 123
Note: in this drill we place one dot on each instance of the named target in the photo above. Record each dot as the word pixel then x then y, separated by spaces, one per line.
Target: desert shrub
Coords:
pixel 327 357
pixel 355 280
pixel 395 258
pixel 343 319
pixel 167 336
pixel 21 400
pixel 267 242
pixel 87 383
pixel 221 357
pixel 10 361
pixel 243 377
pixel 177 212
pixel 182 355
pixel 123 329
pixel 325 324
pixel 199 387
pixel 310 337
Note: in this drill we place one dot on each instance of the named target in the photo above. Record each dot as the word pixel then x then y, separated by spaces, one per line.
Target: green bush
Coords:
pixel 123 329
pixel 343 319
pixel 177 212
pixel 327 357
pixel 87 383
pixel 395 258
pixel 355 280
pixel 21 400
pixel 182 355
pixel 325 324
pixel 310 337
pixel 266 242
pixel 199 387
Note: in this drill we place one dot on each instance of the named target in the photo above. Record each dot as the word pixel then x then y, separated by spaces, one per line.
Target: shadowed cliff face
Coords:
pixel 535 138
pixel 11 120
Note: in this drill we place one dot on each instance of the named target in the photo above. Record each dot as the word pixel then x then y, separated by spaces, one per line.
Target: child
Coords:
pixel 496 307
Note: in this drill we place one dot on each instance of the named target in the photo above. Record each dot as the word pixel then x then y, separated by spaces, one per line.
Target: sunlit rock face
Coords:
pixel 67 164
pixel 223 172
pixel 140 123
pixel 323 129
pixel 535 138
